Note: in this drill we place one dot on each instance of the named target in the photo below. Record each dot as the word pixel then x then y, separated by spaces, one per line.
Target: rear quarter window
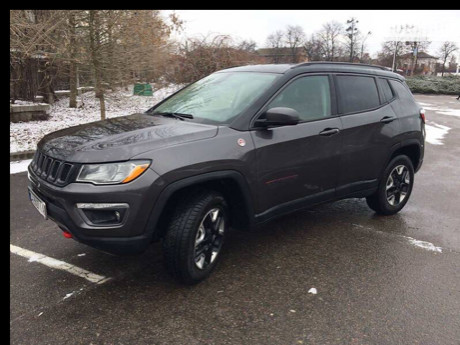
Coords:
pixel 357 93
pixel 402 91
pixel 386 89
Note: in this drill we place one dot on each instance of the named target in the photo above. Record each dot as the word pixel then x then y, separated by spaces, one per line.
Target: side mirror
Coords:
pixel 279 116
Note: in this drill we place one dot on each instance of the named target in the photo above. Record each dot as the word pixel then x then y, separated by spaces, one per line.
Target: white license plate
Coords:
pixel 39 204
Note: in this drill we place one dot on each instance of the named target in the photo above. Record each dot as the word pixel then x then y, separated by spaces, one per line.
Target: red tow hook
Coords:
pixel 67 234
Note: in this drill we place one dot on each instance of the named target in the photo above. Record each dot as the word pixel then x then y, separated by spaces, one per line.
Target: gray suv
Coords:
pixel 234 149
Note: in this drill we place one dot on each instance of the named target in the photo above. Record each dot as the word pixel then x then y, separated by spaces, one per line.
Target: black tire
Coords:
pixel 381 201
pixel 179 244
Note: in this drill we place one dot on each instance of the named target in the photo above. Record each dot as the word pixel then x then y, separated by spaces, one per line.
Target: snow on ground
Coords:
pixel 441 110
pixel 24 136
pixel 19 166
pixel 435 133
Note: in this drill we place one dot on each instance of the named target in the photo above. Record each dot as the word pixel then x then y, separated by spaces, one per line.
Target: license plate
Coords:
pixel 39 204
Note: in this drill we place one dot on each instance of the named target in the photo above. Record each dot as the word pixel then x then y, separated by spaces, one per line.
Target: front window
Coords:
pixel 218 98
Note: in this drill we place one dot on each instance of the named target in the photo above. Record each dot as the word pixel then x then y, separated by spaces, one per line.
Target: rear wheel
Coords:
pixel 395 187
pixel 195 235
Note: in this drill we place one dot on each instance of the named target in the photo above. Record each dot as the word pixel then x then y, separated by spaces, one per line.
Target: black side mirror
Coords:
pixel 279 116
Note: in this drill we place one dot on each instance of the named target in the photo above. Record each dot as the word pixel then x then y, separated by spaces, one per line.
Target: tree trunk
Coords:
pixel 443 67
pixel 73 63
pixel 94 48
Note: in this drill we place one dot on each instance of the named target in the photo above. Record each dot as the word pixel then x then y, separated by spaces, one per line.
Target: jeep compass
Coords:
pixel 234 149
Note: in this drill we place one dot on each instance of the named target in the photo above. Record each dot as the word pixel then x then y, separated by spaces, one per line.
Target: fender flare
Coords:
pixel 170 189
pixel 400 145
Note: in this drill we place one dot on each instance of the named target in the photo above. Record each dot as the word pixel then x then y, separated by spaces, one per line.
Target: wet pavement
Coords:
pixel 379 280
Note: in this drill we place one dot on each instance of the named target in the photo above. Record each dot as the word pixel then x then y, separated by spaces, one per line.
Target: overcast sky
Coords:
pixel 438 26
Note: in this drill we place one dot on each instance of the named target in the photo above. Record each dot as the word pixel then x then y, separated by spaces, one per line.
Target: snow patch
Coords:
pixel 450 112
pixel 24 136
pixel 435 133
pixel 19 166
pixel 424 245
pixel 68 295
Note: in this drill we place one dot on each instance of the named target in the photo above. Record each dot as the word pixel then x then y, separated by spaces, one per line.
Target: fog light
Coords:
pixel 103 214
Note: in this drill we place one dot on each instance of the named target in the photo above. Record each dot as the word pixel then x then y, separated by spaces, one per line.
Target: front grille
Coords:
pixel 55 171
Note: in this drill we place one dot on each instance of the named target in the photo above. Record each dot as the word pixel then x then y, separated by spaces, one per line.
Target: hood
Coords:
pixel 121 138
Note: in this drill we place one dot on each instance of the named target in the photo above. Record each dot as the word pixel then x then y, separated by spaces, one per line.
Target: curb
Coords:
pixel 18 156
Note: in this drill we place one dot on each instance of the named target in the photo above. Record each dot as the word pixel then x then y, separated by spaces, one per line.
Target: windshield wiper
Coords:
pixel 176 115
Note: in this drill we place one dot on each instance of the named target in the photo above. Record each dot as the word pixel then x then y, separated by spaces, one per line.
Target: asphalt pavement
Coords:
pixel 378 280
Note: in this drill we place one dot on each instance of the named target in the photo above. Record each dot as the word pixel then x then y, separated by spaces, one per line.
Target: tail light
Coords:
pixel 422 114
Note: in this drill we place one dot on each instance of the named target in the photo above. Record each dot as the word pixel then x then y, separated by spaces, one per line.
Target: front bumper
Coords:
pixel 131 236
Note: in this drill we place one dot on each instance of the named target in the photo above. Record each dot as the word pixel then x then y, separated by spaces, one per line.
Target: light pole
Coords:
pixel 393 67
pixel 362 44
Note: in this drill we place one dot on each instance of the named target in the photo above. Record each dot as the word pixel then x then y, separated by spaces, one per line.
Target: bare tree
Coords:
pixel 294 38
pixel 95 45
pixel 352 36
pixel 391 53
pixel 35 40
pixel 200 56
pixel 328 37
pixel 247 45
pixel 73 72
pixel 446 50
pixel 276 41
pixel 314 49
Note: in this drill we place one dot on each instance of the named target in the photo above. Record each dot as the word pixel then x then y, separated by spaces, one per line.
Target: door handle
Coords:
pixel 329 131
pixel 388 119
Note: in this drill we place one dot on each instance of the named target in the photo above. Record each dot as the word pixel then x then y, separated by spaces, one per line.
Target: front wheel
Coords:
pixel 195 235
pixel 395 187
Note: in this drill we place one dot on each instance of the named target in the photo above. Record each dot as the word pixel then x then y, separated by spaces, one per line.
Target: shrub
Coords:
pixel 447 85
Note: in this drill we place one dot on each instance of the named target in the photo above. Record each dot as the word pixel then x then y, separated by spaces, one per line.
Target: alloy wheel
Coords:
pixel 209 237
pixel 398 184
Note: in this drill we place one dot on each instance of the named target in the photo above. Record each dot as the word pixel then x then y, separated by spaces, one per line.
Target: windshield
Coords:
pixel 218 98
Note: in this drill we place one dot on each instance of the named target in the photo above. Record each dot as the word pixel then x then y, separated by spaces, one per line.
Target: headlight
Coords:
pixel 112 173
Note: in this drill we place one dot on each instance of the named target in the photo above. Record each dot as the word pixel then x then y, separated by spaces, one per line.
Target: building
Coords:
pixel 283 55
pixel 426 64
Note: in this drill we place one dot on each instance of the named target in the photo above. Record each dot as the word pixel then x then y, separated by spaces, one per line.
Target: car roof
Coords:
pixel 338 67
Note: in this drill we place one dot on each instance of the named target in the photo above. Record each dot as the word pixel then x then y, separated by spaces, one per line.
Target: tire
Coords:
pixel 193 239
pixel 393 193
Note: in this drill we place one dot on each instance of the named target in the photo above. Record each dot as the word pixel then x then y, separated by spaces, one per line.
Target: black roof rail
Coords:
pixel 340 63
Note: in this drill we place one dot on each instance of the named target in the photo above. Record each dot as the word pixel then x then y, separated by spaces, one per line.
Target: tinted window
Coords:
pixel 310 96
pixel 401 90
pixel 357 93
pixel 387 92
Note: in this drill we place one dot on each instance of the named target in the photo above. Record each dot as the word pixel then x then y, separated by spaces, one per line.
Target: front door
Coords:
pixel 298 165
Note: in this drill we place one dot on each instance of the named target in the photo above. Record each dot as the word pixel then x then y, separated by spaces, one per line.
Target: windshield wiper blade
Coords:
pixel 176 115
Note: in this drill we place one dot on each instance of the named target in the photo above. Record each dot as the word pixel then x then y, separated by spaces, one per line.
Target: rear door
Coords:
pixel 297 165
pixel 370 129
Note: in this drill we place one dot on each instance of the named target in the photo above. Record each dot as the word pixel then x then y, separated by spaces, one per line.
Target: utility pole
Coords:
pixel 415 47
pixel 393 65
pixel 362 45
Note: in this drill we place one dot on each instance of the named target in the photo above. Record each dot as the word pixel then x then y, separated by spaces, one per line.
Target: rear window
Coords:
pixel 387 92
pixel 357 93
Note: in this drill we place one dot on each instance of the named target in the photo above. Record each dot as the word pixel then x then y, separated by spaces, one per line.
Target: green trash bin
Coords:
pixel 143 89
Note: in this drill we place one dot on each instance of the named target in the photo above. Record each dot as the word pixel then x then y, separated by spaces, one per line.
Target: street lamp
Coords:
pixel 362 44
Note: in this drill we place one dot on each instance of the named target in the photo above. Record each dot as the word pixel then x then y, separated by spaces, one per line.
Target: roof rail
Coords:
pixel 340 63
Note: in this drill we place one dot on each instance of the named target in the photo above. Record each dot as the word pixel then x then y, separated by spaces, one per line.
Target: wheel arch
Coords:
pixel 410 148
pixel 230 183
